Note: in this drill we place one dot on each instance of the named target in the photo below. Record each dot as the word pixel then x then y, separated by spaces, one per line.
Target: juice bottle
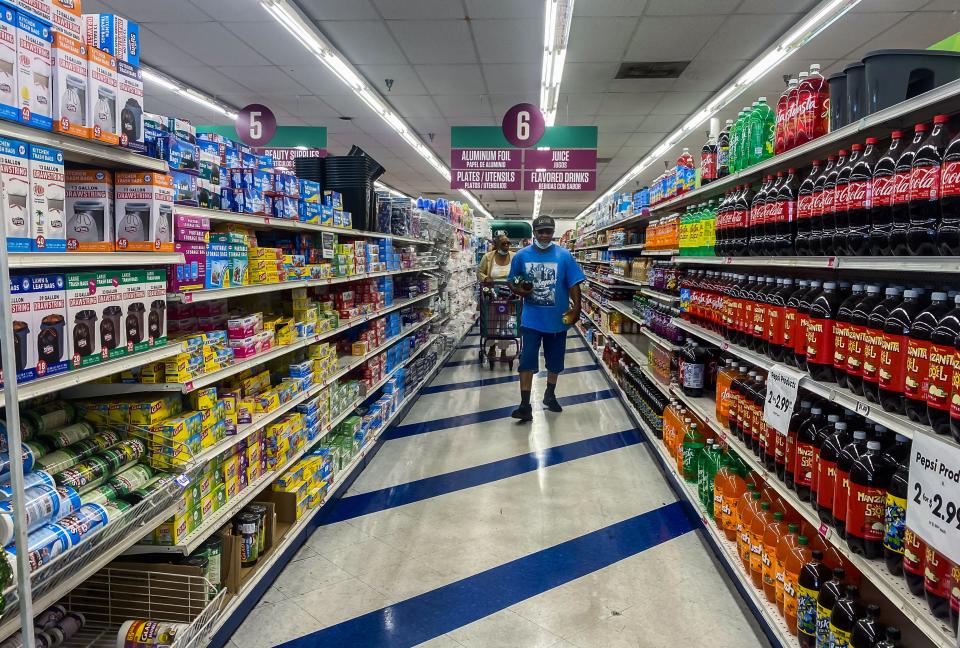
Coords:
pixel 820 336
pixel 841 494
pixel 762 518
pixel 844 617
pixel 830 592
pixel 732 487
pixel 873 341
pixel 941 368
pixel 914 561
pixel 842 329
pixel 749 506
pixel 895 515
pixel 812 576
pixel 867 630
pixel 790 443
pixel 768 558
pixel 798 556
pixel 803 468
pixel 936 582
pixel 827 470
pixel 869 479
pixel 893 356
pixel 788 542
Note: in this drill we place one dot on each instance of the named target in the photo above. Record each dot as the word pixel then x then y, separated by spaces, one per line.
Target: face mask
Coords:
pixel 542 246
pixel 503 252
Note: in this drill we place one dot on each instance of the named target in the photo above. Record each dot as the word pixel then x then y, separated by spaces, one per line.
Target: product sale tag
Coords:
pixel 933 511
pixel 782 385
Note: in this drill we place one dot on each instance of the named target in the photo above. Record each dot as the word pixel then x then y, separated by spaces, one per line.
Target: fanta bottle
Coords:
pixel 746 511
pixel 731 486
pixel 768 558
pixel 796 559
pixel 788 542
pixel 758 529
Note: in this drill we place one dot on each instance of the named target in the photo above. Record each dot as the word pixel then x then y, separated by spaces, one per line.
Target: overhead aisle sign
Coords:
pixel 523 154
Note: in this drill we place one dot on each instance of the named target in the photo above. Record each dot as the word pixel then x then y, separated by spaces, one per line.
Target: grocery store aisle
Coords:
pixel 470 529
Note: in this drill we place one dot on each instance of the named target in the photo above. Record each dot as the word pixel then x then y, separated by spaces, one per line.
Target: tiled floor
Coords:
pixel 423 569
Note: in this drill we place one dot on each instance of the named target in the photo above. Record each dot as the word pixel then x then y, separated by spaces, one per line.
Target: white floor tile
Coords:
pixel 272 624
pixel 504 630
pixel 339 602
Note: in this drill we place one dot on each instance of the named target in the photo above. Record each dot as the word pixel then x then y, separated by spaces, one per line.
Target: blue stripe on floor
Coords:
pixel 462 363
pixel 500 380
pixel 380 500
pixel 453 606
pixel 434 425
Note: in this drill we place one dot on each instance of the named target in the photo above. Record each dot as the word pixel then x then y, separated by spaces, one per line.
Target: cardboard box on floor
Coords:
pixel 232 574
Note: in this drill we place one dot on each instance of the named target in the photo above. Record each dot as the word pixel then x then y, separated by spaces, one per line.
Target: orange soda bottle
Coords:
pixel 725 378
pixel 796 559
pixel 758 528
pixel 746 509
pixel 771 539
pixel 731 487
pixel 787 543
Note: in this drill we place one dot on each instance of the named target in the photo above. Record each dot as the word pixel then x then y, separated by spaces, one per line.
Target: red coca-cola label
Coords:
pixel 855 335
pixel 803 473
pixel 914 551
pixel 901 191
pixel 817 205
pixel 775 324
pixel 826 482
pixel 804 206
pixel 820 341
pixel 950 178
pixel 916 378
pixel 893 362
pixel 741 218
pixel 787 211
pixel 936 573
pixel 866 506
pixel 925 183
pixel 859 195
pixel 829 200
pixel 871 354
pixel 841 494
pixel 884 188
pixel 841 335
pixel 800 334
pixel 940 371
pixel 840 199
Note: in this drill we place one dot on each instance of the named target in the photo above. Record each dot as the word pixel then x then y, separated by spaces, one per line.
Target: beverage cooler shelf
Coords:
pixel 940 265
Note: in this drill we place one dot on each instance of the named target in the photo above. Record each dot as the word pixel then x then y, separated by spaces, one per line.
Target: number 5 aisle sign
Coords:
pixel 933 504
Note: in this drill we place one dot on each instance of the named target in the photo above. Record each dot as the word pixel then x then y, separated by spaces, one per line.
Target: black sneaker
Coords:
pixel 523 412
pixel 552 404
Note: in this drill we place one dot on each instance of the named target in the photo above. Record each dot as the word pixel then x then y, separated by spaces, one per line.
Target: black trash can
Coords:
pixel 856 92
pixel 838 100
pixel 895 75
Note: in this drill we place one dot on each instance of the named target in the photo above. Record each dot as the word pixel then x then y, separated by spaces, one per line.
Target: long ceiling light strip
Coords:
pixel 556 35
pixel 192 94
pixel 816 21
pixel 307 34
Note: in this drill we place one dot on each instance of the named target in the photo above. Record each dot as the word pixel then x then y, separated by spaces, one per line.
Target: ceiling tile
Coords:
pixel 419 9
pixel 162 54
pixel 631 8
pixel 424 125
pixel 706 74
pixel 451 79
pixel 318 79
pixel 208 43
pixel 363 41
pixel 502 103
pixel 263 78
pixel 456 107
pixel 304 106
pixel 599 39
pixel 230 10
pixel 675 103
pixel 405 79
pixel 206 79
pixel 563 119
pixel 919 29
pixel 242 98
pixel 588 77
pixel 508 41
pixel 505 9
pixel 689 7
pixel 656 37
pixel 431 41
pixel 619 123
pixel 645 139
pixel 641 85
pixel 874 6
pixel 271 40
pixel 744 37
pixel 783 6
pixel 579 104
pixel 338 10
pixel 513 77
pixel 624 103
pixel 347 105
pixel 150 11
pixel 850 32
pixel 415 106
pixel 661 123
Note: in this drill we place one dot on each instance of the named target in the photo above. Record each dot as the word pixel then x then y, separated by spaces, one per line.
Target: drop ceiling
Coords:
pixel 464 62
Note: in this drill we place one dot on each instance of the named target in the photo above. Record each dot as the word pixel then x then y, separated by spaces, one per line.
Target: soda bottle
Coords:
pixel 747 510
pixel 830 206
pixel 869 479
pixel 942 365
pixel 760 132
pixel 806 439
pixel 803 322
pixel 772 535
pixel 776 318
pixel 725 378
pixel 859 198
pixel 895 516
pixel 893 357
pixel 842 330
pixel 805 210
pixel 812 576
pixel 790 443
pixel 891 639
pixel 693 361
pixel 731 486
pixel 708 161
pixel 914 561
pixel 822 433
pixel 758 327
pixel 785 215
pixel 830 592
pixel 819 207
pixel 844 617
pixel 685 172
pixel 780 130
pixel 769 217
pixel 884 189
pixel 723 150
pixel 860 312
pixel 744 200
pixel 842 223
pixel 735 141
pixel 841 493
pixel 793 112
pixel 867 630
pixel 796 557
pixel 827 470
pixel 873 341
pixel 936 583
pixel 955 598
pixel 924 205
pixel 917 378
pixel 813 114
pixel 790 321
pixel 948 235
pixel 820 335
pixel 757 208
pixel 693 445
pixel 901 193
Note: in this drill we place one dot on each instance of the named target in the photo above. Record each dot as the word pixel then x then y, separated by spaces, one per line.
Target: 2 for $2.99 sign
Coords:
pixel 933 501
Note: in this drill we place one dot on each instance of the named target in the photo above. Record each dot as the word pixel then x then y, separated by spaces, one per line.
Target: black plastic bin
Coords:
pixel 895 75
pixel 838 100
pixel 856 92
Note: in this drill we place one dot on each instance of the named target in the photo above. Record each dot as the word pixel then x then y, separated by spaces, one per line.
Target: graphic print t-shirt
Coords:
pixel 554 272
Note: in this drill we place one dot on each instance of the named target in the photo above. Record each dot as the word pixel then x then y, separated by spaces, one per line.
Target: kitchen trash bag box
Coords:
pixel 67 18
pixel 39 8
pixel 114 34
pixel 89 194
pixel 47 221
pixel 70 86
pixel 144 211
pixel 48 324
pixel 34 60
pixel 9 89
pixel 15 181
pixel 130 106
pixel 102 84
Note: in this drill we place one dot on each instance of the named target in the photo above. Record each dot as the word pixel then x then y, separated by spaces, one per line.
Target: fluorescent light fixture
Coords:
pixel 382 187
pixel 311 38
pixel 814 23
pixel 192 94
pixel 161 81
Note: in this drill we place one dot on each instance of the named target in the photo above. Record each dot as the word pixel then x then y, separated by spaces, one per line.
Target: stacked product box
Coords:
pixel 143 204
pixel 307 480
pixel 191 235
pixel 89 205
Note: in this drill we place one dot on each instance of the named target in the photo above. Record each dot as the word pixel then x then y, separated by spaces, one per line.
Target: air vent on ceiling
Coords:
pixel 651 69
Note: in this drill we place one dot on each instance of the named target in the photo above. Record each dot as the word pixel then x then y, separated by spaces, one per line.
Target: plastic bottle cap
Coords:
pixel 919 128
pixel 817 555
pixel 764 506
pixel 939 296
pixel 843 152
pixel 857 288
pixel 859 435
pixel 856 147
pixel 873 289
pixel 793 527
pixel 892 291
pixel 803 75
pixel 778 516
pixel 852 591
pixel 830 285
pixel 910 294
pixel 839 573
pixel 896 134
pixel 816 410
pixel 941 119
pixel 755 495
pixel 840 426
pixel 803 541
pixel 902 439
pixel 805 404
pixel 816 162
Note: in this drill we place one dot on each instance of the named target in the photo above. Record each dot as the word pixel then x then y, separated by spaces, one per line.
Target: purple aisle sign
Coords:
pixel 523 125
pixel 255 125
pixel 559 180
pixel 477 159
pixel 506 180
pixel 560 159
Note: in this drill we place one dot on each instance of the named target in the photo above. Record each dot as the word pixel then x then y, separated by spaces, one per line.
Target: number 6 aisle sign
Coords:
pixel 933 499
pixel 523 125
pixel 256 125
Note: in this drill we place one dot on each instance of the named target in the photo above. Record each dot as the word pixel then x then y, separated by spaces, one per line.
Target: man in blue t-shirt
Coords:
pixel 550 307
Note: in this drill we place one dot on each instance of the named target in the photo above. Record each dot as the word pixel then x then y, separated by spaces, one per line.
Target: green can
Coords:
pixel 212 549
pixel 101 495
pixel 62 437
pixel 132 479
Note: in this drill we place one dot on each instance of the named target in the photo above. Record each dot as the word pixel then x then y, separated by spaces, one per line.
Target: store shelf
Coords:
pixel 623 222
pixel 659 341
pixel 91 260
pixel 628 248
pixel 597 246
pixel 842 397
pixel 195 296
pixel 659 253
pixel 660 296
pixel 269 222
pixel 944 99
pixel 69 379
pixel 941 265
pixel 596 261
pixel 108 389
pixel 615 286
pixel 892 587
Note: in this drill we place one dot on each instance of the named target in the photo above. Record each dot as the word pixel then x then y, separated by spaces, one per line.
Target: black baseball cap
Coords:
pixel 543 223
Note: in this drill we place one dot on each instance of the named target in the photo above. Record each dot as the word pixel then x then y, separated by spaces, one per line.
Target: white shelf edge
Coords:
pixel 88 260
pixel 935 264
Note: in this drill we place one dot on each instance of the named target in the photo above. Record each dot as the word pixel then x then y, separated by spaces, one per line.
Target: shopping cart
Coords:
pixel 499 320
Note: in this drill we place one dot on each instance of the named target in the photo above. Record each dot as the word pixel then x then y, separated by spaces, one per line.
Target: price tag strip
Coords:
pixel 933 511
pixel 782 386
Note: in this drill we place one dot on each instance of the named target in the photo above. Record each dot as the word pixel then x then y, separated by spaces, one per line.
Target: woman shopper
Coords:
pixel 495 266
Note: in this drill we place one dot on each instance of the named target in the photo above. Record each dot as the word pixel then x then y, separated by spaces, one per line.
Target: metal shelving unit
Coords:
pixel 660 295
pixel 628 248
pixel 938 265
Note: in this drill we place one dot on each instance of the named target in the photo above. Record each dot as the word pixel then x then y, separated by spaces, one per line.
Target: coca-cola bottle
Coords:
pixel 893 352
pixel 881 207
pixel 708 161
pixel 820 340
pixel 757 213
pixel 744 199
pixel 769 226
pixel 813 112
pixel 805 211
pixel 793 113
pixel 780 127
pixel 830 204
pixel 924 206
pixel 842 330
pixel 856 337
pixel 917 378
pixel 785 215
pixel 842 225
pixel 941 369
pixel 873 340
pixel 901 193
pixel 859 200
pixel 819 197
pixel 948 235
pixel 723 150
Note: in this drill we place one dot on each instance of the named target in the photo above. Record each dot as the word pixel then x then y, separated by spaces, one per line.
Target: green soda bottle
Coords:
pixel 703 469
pixel 692 447
pixel 711 228
pixel 761 122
